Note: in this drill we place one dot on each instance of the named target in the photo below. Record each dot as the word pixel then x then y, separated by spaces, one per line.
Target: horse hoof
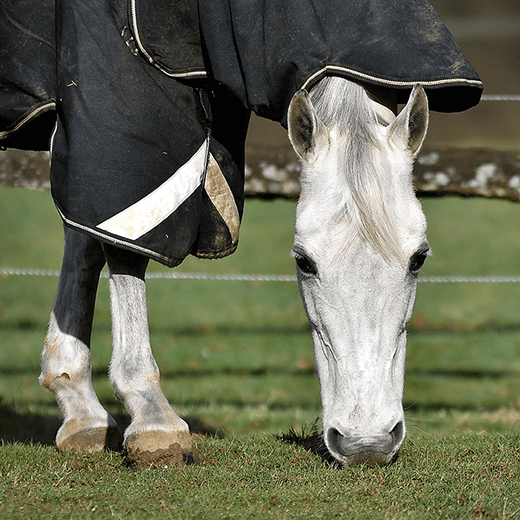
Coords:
pixel 92 441
pixel 160 449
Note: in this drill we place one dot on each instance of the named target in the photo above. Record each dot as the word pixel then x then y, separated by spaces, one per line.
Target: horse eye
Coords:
pixel 417 261
pixel 305 264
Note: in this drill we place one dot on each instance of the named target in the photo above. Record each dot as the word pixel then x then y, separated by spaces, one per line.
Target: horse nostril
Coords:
pixel 336 440
pixel 397 433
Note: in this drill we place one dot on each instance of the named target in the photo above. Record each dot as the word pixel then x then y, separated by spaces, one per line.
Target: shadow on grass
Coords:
pixel 457 329
pixel 197 330
pixel 27 428
pixel 414 329
pixel 261 371
pixel 312 441
pixel 194 373
pixel 463 374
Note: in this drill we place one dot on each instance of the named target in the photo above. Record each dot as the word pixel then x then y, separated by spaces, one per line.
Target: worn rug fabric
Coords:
pixel 145 105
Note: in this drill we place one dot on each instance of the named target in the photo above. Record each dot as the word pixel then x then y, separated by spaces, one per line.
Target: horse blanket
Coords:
pixel 145 105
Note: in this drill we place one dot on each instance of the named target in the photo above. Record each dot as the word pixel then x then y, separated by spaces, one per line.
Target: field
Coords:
pixel 236 361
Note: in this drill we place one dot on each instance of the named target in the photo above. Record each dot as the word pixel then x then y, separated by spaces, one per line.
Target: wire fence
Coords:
pixel 500 97
pixel 259 277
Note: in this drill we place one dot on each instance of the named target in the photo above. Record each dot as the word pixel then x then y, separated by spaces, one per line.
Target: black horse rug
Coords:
pixel 153 98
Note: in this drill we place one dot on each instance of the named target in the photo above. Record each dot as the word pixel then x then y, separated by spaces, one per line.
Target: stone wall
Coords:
pixel 273 172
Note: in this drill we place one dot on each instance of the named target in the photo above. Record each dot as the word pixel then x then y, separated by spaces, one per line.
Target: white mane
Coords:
pixel 347 107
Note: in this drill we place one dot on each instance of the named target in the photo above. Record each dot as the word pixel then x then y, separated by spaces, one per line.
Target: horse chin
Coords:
pixel 368 458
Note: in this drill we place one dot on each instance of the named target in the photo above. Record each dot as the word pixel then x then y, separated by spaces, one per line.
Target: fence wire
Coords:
pixel 259 277
pixel 500 97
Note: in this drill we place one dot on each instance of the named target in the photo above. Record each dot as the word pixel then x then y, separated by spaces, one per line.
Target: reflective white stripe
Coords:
pixel 144 215
pixel 220 194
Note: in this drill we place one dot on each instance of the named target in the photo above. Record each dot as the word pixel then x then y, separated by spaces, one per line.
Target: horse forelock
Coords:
pixel 346 106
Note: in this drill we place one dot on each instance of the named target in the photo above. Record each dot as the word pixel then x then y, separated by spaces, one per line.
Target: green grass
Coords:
pixel 236 360
pixel 265 478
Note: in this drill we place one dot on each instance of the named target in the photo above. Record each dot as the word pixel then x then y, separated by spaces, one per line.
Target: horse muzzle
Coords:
pixel 375 450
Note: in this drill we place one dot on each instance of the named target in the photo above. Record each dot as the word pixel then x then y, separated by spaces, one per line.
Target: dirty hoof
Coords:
pixel 157 449
pixel 92 441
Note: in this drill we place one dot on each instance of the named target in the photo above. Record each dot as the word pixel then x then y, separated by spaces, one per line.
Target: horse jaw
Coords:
pixel 357 298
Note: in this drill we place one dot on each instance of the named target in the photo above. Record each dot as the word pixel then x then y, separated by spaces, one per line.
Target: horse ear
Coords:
pixel 306 132
pixel 410 126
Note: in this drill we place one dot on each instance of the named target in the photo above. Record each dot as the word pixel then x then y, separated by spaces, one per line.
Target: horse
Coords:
pixel 146 110
pixel 359 242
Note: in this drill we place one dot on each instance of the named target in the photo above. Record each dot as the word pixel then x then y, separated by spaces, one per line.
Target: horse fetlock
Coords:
pixel 55 383
pixel 59 374
pixel 159 448
pixel 47 381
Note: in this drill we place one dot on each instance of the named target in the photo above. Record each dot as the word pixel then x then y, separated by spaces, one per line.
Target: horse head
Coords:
pixel 360 241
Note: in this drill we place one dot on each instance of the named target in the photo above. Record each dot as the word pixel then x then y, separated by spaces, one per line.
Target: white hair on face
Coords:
pixel 346 106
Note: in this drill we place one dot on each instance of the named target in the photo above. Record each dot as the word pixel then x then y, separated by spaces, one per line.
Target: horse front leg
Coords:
pixel 66 367
pixel 156 436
